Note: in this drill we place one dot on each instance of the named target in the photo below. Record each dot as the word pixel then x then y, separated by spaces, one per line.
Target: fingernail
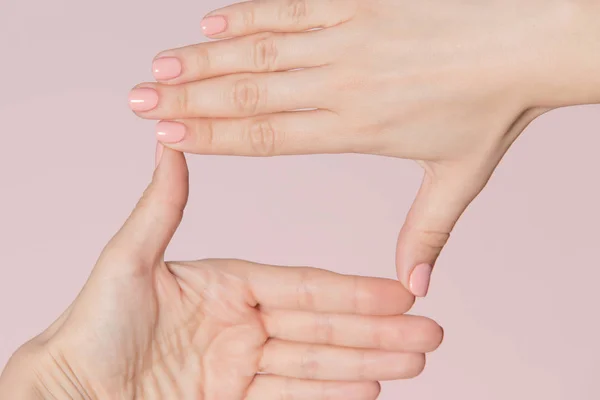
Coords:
pixel 143 99
pixel 170 132
pixel 166 68
pixel 419 280
pixel 158 155
pixel 213 25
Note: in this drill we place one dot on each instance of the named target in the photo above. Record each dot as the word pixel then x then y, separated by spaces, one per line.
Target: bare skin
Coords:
pixel 143 328
pixel 450 84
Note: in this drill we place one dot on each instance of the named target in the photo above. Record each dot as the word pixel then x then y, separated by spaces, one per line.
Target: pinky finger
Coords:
pixel 276 16
pixel 269 387
pixel 288 133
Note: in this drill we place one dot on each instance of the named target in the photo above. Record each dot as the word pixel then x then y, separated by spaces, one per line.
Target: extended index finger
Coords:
pixel 317 290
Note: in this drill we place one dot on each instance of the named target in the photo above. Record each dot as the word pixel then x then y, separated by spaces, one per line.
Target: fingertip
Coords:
pixel 143 97
pixel 174 161
pixel 166 67
pixel 386 297
pixel 212 25
pixel 431 334
pixel 171 174
pixel 142 240
pixel 170 132
pixel 420 279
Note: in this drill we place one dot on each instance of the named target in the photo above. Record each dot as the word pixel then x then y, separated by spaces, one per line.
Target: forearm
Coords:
pixel 563 66
pixel 16 381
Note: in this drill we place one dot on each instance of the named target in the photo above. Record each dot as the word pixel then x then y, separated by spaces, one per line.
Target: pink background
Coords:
pixel 516 290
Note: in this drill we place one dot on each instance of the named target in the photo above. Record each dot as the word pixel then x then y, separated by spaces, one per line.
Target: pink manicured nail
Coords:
pixel 213 25
pixel 159 153
pixel 166 68
pixel 143 99
pixel 170 132
pixel 419 280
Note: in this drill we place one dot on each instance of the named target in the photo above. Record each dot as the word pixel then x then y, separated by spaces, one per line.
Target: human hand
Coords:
pixel 142 328
pixel 449 84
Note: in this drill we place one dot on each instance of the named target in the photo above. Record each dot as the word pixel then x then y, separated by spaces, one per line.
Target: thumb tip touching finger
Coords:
pixel 169 187
pixel 438 206
pixel 416 258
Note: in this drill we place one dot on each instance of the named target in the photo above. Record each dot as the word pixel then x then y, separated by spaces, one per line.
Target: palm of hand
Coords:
pixel 191 332
pixel 222 329
pixel 197 331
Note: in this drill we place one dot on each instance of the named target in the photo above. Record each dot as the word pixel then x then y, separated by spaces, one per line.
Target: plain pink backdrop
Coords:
pixel 516 289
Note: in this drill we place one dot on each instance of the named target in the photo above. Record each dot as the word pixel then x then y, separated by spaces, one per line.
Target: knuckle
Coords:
pixel 324 329
pixel 309 364
pixel 263 138
pixel 249 18
pixel 265 54
pixel 182 102
pixel 305 291
pixel 204 137
pixel 377 337
pixel 362 368
pixel 295 11
pixel 247 96
pixel 202 59
pixel 436 240
pixel 209 139
pixel 287 391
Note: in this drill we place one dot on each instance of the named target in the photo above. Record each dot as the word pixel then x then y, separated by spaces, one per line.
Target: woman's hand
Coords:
pixel 448 83
pixel 218 329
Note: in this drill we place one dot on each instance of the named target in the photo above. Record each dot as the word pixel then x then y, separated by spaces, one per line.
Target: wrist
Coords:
pixel 31 375
pixel 16 380
pixel 563 62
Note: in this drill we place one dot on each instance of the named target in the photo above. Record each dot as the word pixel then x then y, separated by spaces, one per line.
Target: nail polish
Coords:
pixel 213 25
pixel 170 132
pixel 419 280
pixel 166 68
pixel 143 99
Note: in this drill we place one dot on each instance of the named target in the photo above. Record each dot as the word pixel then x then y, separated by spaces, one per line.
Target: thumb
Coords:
pixel 440 202
pixel 147 232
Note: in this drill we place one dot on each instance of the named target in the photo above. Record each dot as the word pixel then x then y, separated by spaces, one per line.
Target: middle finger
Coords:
pixel 232 96
pixel 406 333
pixel 317 362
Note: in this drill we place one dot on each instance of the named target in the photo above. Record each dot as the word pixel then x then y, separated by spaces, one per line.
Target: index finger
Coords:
pixel 317 290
